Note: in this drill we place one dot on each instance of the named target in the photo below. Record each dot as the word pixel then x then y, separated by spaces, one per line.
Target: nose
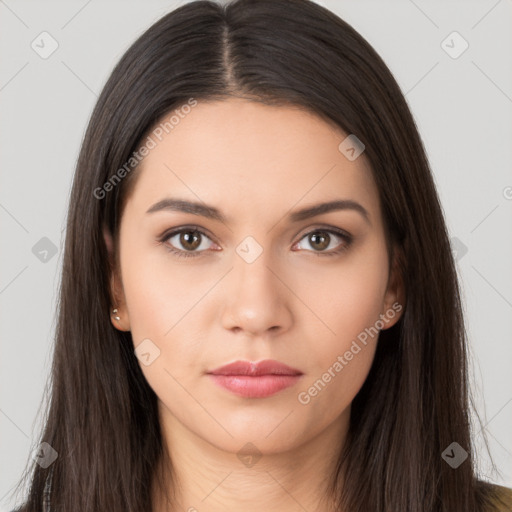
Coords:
pixel 257 298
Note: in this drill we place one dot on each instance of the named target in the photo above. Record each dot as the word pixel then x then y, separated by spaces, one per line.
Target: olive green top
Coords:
pixel 504 498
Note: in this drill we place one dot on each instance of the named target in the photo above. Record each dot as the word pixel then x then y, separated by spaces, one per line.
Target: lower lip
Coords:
pixel 255 387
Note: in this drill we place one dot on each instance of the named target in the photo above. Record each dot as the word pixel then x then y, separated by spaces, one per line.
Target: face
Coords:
pixel 254 281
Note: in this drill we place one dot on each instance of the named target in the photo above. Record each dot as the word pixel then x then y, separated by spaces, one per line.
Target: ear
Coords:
pixel 394 299
pixel 116 291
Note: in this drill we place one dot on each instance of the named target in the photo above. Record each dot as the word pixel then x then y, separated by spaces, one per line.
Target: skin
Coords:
pixel 255 163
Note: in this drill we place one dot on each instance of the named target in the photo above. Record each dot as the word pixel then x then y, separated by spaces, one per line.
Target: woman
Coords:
pixel 259 308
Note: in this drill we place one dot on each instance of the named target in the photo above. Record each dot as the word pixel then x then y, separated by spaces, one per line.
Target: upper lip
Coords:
pixel 265 367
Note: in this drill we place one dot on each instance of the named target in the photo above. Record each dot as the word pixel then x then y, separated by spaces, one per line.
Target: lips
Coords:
pixel 248 368
pixel 255 380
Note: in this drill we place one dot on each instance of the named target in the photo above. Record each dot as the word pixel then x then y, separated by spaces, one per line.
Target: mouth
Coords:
pixel 255 380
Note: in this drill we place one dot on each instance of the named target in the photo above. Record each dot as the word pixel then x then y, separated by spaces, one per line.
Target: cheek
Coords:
pixel 339 363
pixel 160 301
pixel 159 292
pixel 347 306
pixel 164 301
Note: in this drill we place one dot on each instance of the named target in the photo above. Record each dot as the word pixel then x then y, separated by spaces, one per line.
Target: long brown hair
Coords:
pixel 102 415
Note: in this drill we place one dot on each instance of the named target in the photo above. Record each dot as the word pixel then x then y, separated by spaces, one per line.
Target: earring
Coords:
pixel 114 311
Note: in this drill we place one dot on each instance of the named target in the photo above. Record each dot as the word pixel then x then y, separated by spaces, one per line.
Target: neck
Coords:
pixel 200 476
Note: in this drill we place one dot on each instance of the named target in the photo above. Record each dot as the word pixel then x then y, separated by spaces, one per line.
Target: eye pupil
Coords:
pixel 324 237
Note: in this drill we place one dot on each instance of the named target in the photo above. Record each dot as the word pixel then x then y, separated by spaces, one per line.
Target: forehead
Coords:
pixel 239 154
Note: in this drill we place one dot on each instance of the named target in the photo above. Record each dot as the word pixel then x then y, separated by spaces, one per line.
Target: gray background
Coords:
pixel 462 107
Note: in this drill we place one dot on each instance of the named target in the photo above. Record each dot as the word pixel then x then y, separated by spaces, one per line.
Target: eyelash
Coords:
pixel 348 239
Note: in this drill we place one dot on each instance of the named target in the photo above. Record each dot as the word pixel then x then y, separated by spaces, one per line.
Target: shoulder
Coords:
pixel 501 497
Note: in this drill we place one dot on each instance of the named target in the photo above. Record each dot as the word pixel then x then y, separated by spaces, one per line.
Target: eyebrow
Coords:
pixel 211 212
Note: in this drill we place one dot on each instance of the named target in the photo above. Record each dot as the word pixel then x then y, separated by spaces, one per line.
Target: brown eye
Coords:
pixel 190 240
pixel 187 242
pixel 320 239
